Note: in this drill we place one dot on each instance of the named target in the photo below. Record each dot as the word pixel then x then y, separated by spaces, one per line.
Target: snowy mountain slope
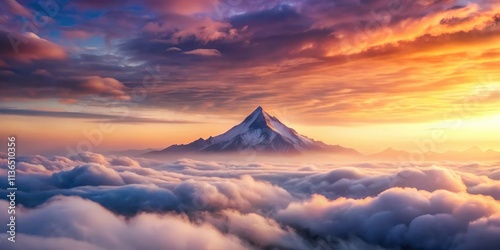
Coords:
pixel 259 131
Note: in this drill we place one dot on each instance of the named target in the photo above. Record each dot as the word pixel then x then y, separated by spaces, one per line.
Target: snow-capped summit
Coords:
pixel 259 131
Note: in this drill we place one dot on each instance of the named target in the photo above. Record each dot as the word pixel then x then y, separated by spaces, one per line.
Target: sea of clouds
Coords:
pixel 92 201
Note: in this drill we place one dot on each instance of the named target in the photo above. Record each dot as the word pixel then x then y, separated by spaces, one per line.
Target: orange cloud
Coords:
pixel 28 47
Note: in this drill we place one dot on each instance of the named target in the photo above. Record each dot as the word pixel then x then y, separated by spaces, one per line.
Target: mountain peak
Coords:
pixel 258 131
pixel 259 119
pixel 257 111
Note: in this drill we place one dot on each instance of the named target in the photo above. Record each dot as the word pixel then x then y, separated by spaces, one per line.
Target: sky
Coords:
pixel 366 74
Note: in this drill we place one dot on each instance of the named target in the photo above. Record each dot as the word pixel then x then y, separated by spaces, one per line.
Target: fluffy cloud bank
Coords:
pixel 92 227
pixel 92 201
pixel 401 217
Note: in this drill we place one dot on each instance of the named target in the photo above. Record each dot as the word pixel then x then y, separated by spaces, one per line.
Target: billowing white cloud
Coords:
pixel 71 222
pixel 195 204
pixel 397 217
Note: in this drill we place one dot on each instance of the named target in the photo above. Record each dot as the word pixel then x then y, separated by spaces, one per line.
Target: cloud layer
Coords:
pixel 94 201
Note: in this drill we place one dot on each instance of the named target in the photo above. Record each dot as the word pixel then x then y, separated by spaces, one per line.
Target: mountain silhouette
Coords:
pixel 261 132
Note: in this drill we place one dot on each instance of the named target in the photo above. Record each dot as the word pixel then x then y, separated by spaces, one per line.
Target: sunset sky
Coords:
pixel 366 74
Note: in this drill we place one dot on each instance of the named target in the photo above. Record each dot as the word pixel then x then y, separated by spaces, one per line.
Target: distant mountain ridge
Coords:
pixel 258 131
pixel 266 134
pixel 471 154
